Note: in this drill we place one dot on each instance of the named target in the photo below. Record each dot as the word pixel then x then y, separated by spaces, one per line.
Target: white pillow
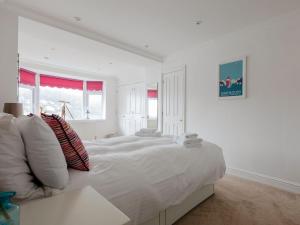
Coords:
pixel 15 174
pixel 44 153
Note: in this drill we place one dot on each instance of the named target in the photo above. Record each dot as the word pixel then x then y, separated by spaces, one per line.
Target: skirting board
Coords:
pixel 272 181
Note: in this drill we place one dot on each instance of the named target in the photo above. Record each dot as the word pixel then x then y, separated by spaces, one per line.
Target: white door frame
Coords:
pixel 170 70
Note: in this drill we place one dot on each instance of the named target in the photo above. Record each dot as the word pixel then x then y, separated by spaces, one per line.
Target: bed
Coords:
pixel 154 181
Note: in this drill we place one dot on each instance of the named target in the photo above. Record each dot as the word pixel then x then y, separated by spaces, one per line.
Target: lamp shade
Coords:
pixel 15 109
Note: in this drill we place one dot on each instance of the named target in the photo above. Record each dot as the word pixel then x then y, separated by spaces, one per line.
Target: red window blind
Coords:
pixel 60 82
pixel 152 93
pixel 94 85
pixel 27 77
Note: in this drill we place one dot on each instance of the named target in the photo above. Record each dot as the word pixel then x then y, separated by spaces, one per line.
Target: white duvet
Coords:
pixel 142 176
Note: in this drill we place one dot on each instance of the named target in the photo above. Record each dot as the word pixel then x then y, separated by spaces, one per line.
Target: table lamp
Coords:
pixel 15 109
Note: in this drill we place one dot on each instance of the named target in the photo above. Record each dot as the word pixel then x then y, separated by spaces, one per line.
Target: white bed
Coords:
pixel 151 179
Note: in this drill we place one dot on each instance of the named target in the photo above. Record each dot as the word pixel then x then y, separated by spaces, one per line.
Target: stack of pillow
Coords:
pixel 35 154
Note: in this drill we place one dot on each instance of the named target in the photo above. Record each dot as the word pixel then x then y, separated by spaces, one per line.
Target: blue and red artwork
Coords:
pixel 231 77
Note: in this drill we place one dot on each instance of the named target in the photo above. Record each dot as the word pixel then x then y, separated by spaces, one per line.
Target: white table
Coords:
pixel 82 207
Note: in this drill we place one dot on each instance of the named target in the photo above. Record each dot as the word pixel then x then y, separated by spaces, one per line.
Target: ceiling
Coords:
pixel 165 26
pixel 44 46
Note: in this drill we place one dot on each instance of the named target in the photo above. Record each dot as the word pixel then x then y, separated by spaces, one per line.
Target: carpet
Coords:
pixel 241 202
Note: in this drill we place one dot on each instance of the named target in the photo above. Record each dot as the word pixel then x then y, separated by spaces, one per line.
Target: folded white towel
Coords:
pixel 190 135
pixel 148 130
pixel 141 134
pixel 188 141
pixel 181 139
pixel 193 145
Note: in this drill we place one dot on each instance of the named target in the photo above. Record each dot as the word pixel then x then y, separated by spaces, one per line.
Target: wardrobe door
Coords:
pixel 132 108
pixel 124 109
pixel 138 115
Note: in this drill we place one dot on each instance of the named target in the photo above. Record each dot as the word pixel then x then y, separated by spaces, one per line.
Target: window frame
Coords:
pixel 148 104
pixel 33 91
pixel 36 98
pixel 88 93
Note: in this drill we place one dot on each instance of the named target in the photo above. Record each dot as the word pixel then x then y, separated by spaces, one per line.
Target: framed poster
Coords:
pixel 232 79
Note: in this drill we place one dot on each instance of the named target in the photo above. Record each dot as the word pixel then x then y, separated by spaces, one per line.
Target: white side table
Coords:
pixel 85 206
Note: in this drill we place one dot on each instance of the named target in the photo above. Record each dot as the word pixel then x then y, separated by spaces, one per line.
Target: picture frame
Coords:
pixel 232 79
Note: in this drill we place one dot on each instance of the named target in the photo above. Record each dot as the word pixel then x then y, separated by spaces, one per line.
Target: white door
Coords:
pixel 174 102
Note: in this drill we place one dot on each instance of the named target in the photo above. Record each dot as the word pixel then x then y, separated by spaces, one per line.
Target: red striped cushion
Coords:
pixel 74 151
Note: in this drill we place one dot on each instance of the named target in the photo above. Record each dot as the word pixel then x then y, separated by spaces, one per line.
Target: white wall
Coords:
pixel 131 76
pixel 261 133
pixel 8 57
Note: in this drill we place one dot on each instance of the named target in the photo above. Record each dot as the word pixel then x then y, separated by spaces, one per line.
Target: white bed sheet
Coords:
pixel 142 176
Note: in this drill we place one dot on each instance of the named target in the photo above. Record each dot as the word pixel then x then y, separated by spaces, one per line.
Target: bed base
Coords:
pixel 174 213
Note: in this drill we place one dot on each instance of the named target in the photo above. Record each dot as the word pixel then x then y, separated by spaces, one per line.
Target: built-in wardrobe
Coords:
pixel 132 111
pixel 139 104
pixel 138 107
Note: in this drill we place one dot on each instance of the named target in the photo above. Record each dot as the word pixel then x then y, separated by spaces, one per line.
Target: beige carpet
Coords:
pixel 241 202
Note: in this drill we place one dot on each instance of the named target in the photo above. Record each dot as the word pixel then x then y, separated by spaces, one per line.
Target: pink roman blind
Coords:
pixel 152 93
pixel 94 85
pixel 60 82
pixel 27 77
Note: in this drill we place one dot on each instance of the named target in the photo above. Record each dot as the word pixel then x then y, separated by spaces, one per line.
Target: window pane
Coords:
pixel 152 108
pixel 95 105
pixel 26 97
pixel 50 101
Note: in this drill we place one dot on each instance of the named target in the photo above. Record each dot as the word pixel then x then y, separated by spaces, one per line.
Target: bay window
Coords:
pixel 52 99
pixel 79 99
